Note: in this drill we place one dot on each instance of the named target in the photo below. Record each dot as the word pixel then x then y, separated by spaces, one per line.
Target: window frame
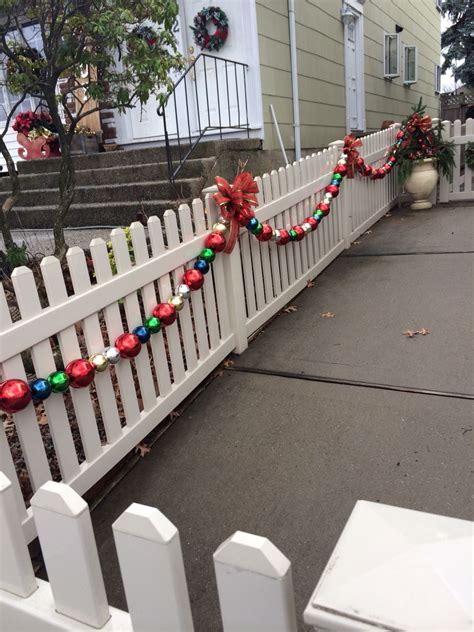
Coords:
pixel 386 74
pixel 409 82
pixel 439 4
pixel 437 79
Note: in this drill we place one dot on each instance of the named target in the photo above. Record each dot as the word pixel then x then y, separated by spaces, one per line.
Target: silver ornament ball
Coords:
pixel 341 161
pixel 112 354
pixel 306 227
pixel 184 291
pixel 276 236
pixel 223 220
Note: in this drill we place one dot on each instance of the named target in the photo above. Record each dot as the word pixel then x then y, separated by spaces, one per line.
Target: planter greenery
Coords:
pixel 423 142
pixel 470 155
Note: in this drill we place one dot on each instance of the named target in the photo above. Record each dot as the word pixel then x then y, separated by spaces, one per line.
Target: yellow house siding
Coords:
pixel 320 57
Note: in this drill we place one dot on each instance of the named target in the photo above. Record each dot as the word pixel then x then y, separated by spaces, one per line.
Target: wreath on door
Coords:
pixel 202 37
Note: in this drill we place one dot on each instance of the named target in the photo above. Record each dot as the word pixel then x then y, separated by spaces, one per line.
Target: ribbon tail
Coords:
pixel 233 236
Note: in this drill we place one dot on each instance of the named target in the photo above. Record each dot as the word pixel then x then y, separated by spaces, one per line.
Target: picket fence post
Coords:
pixel 16 571
pixel 70 553
pixel 345 203
pixel 444 182
pixel 152 569
pixel 234 281
pixel 255 585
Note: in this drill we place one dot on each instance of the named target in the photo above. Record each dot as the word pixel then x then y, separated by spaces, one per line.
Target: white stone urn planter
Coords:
pixel 421 183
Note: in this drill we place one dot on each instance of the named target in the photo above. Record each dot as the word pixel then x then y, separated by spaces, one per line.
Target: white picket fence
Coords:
pixel 240 294
pixel 254 578
pixel 462 186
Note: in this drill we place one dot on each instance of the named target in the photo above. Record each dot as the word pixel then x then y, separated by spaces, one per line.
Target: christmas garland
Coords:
pixel 236 202
pixel 202 37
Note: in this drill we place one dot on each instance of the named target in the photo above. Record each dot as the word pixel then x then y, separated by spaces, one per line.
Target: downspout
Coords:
pixel 294 79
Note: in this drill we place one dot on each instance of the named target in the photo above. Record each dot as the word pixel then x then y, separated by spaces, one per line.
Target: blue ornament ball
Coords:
pixel 40 389
pixel 202 266
pixel 253 223
pixel 143 333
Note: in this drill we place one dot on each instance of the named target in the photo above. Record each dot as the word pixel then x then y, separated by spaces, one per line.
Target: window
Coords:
pixel 437 79
pixel 391 55
pixel 438 4
pixel 410 54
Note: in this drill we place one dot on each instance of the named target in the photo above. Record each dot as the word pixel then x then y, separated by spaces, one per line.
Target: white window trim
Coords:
pixel 385 74
pixel 356 7
pixel 408 82
pixel 439 4
pixel 437 85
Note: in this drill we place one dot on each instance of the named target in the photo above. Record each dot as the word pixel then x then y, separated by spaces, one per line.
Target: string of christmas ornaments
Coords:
pixel 236 202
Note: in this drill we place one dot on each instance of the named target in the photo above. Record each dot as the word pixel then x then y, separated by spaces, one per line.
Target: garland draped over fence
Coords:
pixel 236 202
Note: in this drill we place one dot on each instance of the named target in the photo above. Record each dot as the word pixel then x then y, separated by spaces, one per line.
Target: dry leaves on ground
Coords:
pixel 227 363
pixel 368 232
pixel 355 243
pixel 411 334
pixel 327 314
pixel 388 215
pixel 174 414
pixel 290 309
pixel 142 450
pixel 309 283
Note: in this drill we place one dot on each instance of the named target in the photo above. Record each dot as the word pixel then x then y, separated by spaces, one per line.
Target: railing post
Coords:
pixel 16 571
pixel 70 553
pixel 255 585
pixel 234 281
pixel 344 200
pixel 444 182
pixel 152 569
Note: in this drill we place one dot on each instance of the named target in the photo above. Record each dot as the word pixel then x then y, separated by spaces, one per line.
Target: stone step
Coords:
pixel 149 172
pixel 161 190
pixel 101 214
pixel 145 155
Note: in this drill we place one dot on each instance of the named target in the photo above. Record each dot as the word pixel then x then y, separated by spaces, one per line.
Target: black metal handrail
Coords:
pixel 177 151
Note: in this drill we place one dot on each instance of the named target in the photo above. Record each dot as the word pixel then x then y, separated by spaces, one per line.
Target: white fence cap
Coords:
pixel 253 553
pixel 147 523
pixel 59 498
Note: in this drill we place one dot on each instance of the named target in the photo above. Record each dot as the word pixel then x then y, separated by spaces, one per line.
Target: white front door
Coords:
pixel 354 68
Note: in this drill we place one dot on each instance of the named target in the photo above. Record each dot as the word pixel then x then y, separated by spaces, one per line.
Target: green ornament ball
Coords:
pixel 153 324
pixel 293 234
pixel 59 381
pixel 258 229
pixel 319 215
pixel 207 254
pixel 337 176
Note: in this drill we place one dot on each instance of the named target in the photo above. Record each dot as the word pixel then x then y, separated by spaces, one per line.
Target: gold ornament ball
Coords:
pixel 219 228
pixel 177 302
pixel 100 361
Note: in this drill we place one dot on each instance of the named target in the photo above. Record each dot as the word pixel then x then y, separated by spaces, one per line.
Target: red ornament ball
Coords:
pixel 129 345
pixel 400 135
pixel 324 208
pixel 284 237
pixel 367 170
pixel 299 232
pixel 313 222
pixel 80 373
pixel 165 312
pixel 15 395
pixel 194 279
pixel 360 161
pixel 342 169
pixel 375 173
pixel 333 189
pixel 392 159
pixel 266 234
pixel 242 219
pixel 216 242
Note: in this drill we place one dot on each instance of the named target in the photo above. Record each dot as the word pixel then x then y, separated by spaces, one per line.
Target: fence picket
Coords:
pixel 152 570
pixel 208 289
pixel 468 173
pixel 164 286
pixel 95 344
pixel 248 567
pixel 114 327
pixel 16 572
pixel 289 254
pixel 294 246
pixel 270 246
pixel 279 223
pixel 43 362
pixel 70 350
pixel 300 212
pixel 70 554
pixel 149 299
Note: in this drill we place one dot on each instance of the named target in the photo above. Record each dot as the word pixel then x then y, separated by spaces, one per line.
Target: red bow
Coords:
pixel 350 149
pixel 236 201
pixel 423 123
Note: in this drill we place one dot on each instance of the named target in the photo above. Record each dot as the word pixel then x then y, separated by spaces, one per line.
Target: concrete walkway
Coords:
pixel 286 457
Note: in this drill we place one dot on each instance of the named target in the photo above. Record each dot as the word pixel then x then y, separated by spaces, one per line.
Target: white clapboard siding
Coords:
pixel 254 578
pixel 242 291
pixel 461 185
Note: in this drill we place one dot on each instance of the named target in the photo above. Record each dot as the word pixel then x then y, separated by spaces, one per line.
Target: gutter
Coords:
pixel 294 78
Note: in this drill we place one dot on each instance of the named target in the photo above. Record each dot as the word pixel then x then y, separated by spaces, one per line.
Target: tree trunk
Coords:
pixel 11 199
pixel 67 179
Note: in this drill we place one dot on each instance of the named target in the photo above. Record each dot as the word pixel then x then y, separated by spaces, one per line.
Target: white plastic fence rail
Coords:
pixel 240 294
pixel 253 577
pixel 461 187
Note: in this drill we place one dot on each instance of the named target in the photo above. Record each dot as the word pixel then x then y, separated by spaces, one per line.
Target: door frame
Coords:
pixel 352 12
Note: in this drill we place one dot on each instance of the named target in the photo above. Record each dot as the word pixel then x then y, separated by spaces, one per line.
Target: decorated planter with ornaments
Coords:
pixel 421 183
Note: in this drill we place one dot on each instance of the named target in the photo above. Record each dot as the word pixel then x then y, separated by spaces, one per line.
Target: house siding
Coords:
pixel 320 45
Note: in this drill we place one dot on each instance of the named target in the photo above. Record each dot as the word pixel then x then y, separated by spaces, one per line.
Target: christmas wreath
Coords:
pixel 202 37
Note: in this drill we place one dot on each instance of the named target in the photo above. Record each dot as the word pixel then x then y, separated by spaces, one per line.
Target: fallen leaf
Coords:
pixel 174 414
pixel 356 243
pixel 8 424
pixel 290 309
pixel 368 232
pixel 227 363
pixel 423 331
pixel 309 283
pixel 142 450
pixel 409 333
pixel 388 215
pixel 328 314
